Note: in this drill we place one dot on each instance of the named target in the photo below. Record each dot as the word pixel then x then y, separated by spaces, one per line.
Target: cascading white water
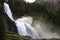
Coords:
pixel 8 11
pixel 30 30
pixel 23 24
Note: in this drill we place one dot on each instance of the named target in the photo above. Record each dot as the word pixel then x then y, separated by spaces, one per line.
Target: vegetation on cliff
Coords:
pixel 49 12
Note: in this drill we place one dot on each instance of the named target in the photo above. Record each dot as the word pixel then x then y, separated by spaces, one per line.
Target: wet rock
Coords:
pixel 11 26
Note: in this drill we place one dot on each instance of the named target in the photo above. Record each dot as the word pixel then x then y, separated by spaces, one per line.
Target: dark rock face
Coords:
pixel 2 27
pixel 11 25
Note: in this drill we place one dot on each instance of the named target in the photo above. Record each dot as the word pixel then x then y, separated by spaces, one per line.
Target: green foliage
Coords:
pixel 13 37
pixel 48 11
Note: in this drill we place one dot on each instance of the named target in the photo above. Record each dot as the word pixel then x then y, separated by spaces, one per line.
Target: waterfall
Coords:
pixel 32 32
pixel 8 11
pixel 23 24
pixel 21 28
pixel 27 23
